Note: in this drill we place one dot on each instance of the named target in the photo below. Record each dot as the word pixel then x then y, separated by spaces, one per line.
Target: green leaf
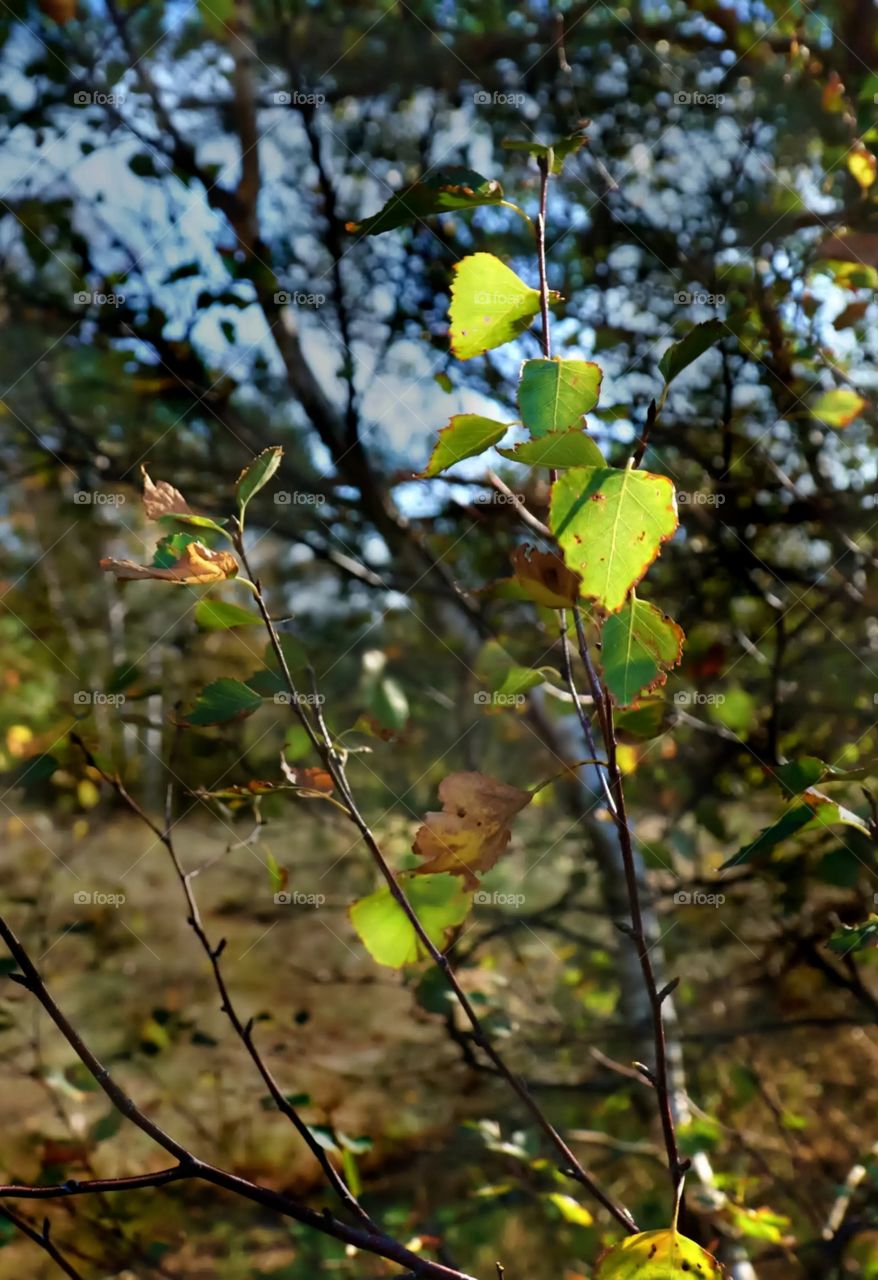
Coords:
pixel 657 1255
pixel 351 1172
pixel 639 645
pixel 388 703
pixel 257 475
pixel 556 152
pixel 193 521
pixel 559 449
pixel 817 812
pixel 681 354
pixel 221 702
pixel 610 525
pixel 170 548
pixel 106 1127
pixel 554 395
pixel 31 772
pixel 386 931
pixel 490 305
pixel 798 775
pixel 855 937
pixel 450 189
pixel 647 720
pixel 838 408
pixel 466 435
pixel 217 615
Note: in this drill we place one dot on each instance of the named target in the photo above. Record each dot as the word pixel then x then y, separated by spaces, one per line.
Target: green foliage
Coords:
pixel 554 395
pixel 451 190
pixel 221 702
pixel 466 436
pixel 257 475
pixel 490 305
pixel 385 930
pixel 639 645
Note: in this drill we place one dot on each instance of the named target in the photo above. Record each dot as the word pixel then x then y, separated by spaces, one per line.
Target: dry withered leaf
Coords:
pixel 162 499
pixel 311 779
pixel 472 831
pixel 198 564
pixel 545 577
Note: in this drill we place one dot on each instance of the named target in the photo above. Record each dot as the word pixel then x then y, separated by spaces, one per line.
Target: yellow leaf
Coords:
pixel 658 1255
pixel 472 831
pixel 863 165
pixel 198 564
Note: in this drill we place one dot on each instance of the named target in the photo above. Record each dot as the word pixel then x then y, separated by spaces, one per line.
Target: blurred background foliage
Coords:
pixel 179 288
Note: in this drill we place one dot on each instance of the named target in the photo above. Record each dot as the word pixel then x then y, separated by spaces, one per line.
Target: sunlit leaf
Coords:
pixel 658 1255
pixel 466 436
pixel 855 937
pixel 571 1210
pixel 573 448
pixel 472 831
pixel 610 525
pixel 439 902
pixel 257 475
pixel 196 565
pixel 490 305
pixel 639 645
pixel 554 395
pixel 838 408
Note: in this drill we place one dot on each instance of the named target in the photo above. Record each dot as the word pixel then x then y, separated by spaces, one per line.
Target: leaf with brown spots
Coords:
pixel 472 831
pixel 658 1255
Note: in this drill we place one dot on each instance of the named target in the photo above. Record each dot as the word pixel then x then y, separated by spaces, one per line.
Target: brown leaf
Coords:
pixel 472 831
pixel 312 779
pixel 197 564
pixel 851 246
pixel 545 578
pixel 162 499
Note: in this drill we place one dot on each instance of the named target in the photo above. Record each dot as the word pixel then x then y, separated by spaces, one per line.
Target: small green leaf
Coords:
pixel 106 1127
pixel 610 525
pixel 388 703
pixel 446 191
pixel 351 1172
pixel 170 548
pixel 838 408
pixel 681 354
pixel 559 449
pixel 386 931
pixel 817 811
pixel 571 1210
pixel 554 395
pixel 258 474
pixel 639 645
pixel 855 937
pixel 221 702
pixel 217 615
pixel 555 152
pixel 466 436
pixel 490 305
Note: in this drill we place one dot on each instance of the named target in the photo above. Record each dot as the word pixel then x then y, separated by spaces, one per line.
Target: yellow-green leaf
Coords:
pixel 838 408
pixel 559 449
pixel 658 1255
pixel 490 305
pixel 385 930
pixel 466 436
pixel 554 395
pixel 610 525
pixel 639 645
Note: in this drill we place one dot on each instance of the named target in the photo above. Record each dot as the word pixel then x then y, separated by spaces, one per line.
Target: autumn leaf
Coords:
pixel 162 499
pixel 472 830
pixel 658 1255
pixel 196 565
pixel 544 577
pixel 309 779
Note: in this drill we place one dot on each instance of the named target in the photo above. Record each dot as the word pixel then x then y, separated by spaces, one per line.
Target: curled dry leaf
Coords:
pixel 472 831
pixel 545 578
pixel 197 564
pixel 310 779
pixel 162 499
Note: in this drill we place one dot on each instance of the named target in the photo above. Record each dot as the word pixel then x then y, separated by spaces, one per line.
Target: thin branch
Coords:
pixel 43 1239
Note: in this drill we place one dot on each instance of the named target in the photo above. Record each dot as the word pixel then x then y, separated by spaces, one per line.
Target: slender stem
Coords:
pixel 190 1166
pixel 540 235
pixel 335 767
pixel 243 1030
pixel 43 1239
